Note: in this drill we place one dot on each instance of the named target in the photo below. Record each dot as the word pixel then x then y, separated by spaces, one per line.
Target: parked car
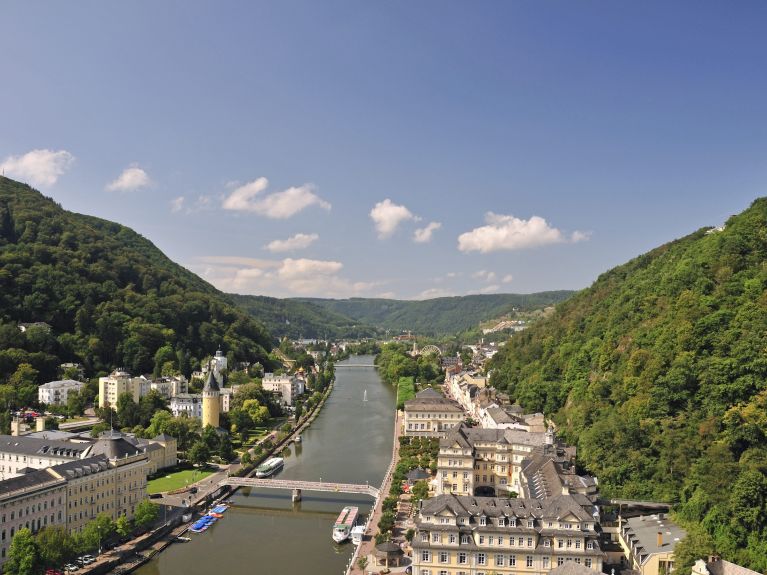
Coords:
pixel 88 559
pixel 193 490
pixel 70 568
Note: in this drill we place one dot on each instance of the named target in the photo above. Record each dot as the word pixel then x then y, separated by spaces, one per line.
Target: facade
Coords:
pixel 211 402
pixel 287 386
pixel 189 403
pixel 718 566
pixel 430 414
pixel 648 543
pixel 463 535
pixel 170 386
pixel 550 471
pixel 118 382
pixel 56 392
pixel 18 453
pixel 485 461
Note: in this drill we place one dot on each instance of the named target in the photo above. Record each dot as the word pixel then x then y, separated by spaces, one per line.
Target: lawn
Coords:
pixel 405 390
pixel 176 480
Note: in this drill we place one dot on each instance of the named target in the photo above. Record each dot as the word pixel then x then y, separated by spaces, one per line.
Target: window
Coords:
pixel 481 539
pixel 425 537
pixel 452 538
pixel 529 541
pixel 569 543
pixel 589 545
pixel 521 541
pixel 512 560
pixel 529 561
pixel 481 559
pixel 499 560
pixel 577 543
pixel 425 556
pixel 444 557
pixel 435 537
pixel 560 543
pixel 545 562
pixel 500 540
pixel 560 561
pixel 464 539
pixel 490 540
pixel 587 562
pixel 530 523
pixel 462 558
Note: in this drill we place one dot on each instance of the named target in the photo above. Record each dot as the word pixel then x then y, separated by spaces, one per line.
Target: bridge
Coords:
pixel 354 365
pixel 298 486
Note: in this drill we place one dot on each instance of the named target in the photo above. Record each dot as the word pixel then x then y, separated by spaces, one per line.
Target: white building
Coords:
pixel 170 386
pixel 288 386
pixel 119 382
pixel 56 392
pixel 189 403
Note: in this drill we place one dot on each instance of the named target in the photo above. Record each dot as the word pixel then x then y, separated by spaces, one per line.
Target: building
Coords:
pixel 119 382
pixel 462 535
pixel 288 387
pixel 550 470
pixel 170 386
pixel 430 414
pixel 718 566
pixel 476 461
pixel 648 543
pixel 188 403
pixel 20 453
pixel 211 401
pixel 56 392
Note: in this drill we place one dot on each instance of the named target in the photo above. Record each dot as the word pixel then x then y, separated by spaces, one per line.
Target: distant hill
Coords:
pixel 659 372
pixel 300 319
pixel 110 297
pixel 439 316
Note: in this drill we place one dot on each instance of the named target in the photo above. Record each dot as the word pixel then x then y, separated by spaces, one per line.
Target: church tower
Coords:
pixel 211 402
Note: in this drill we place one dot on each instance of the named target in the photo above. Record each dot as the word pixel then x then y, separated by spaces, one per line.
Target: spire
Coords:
pixel 211 384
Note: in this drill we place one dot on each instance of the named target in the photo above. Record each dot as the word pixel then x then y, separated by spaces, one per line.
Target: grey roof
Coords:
pixel 471 435
pixel 572 568
pixel 164 437
pixel 645 528
pixel 61 383
pixel 33 481
pixel 500 416
pixel 74 469
pixel 554 507
pixel 25 445
pixel 56 434
pixel 429 393
pixel 721 567
pixel 115 447
pixel 417 474
pixel 211 384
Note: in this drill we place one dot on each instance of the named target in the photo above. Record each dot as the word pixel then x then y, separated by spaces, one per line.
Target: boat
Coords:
pixel 298 439
pixel 184 539
pixel 358 531
pixel 270 466
pixel 342 528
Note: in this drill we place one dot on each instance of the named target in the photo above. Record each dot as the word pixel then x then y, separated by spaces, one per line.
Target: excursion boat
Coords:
pixel 270 466
pixel 344 524
pixel 357 533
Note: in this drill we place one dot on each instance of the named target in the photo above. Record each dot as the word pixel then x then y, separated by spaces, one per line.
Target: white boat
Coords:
pixel 357 533
pixel 344 524
pixel 298 439
pixel 270 466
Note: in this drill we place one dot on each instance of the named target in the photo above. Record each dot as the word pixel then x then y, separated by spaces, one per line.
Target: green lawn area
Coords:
pixel 405 390
pixel 176 480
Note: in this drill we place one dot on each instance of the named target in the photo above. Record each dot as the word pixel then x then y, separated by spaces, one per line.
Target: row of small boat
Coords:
pixel 206 521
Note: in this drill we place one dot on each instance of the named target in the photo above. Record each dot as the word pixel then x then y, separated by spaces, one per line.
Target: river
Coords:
pixel 264 532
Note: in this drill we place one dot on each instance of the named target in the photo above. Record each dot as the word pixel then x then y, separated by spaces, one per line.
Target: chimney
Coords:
pixel 565 490
pixel 40 424
pixel 660 538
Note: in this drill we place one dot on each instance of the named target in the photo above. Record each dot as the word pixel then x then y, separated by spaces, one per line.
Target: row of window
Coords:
pixel 484 520
pixel 559 543
pixel 497 559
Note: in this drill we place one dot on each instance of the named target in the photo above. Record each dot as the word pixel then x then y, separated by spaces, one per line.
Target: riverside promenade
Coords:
pixel 367 547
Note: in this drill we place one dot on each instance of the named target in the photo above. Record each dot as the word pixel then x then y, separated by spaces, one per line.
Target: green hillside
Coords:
pixel 299 319
pixel 659 372
pixel 439 316
pixel 109 295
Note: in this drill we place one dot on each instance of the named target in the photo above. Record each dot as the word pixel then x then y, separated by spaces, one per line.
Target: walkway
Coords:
pixel 300 485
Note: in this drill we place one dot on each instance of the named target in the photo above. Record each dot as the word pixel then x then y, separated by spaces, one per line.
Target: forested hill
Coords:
pixel 444 315
pixel 659 371
pixel 110 296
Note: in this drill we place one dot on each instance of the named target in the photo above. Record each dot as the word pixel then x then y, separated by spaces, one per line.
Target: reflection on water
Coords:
pixel 264 531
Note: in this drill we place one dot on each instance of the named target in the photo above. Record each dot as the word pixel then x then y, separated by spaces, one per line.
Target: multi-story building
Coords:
pixel 550 470
pixel 431 414
pixel 170 386
pixel 188 403
pixel 648 543
pixel 119 382
pixel 463 535
pixel 20 453
pixel 287 386
pixel 56 392
pixel 476 461
pixel 34 500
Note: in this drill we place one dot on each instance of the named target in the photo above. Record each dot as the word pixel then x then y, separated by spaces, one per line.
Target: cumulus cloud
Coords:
pixel 276 205
pixel 177 204
pixel 38 167
pixel 432 293
pixel 507 279
pixel 423 235
pixel 484 275
pixel 281 278
pixel 510 233
pixel 131 180
pixel 489 289
pixel 387 216
pixel 296 242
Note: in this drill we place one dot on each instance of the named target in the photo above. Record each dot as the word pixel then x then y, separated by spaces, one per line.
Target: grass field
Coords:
pixel 405 391
pixel 176 480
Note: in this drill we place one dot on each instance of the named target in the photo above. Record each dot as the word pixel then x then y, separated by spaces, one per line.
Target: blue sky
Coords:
pixel 395 149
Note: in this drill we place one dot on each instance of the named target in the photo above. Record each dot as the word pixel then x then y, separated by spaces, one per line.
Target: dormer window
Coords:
pixel 530 523
pixel 512 522
pixel 483 520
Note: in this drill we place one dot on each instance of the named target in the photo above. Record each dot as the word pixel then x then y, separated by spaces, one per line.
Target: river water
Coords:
pixel 264 532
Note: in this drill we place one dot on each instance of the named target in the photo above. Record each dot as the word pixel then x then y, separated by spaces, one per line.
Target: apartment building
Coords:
pixel 56 392
pixel 119 382
pixel 431 414
pixel 463 535
pixel 288 387
pixel 648 543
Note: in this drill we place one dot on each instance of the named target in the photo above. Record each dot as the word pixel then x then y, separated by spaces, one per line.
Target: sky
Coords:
pixel 390 149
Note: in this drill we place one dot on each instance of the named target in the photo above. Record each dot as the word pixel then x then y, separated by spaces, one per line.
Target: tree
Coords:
pixel 225 450
pixel 55 545
pixel 23 555
pixel 146 513
pixel 127 411
pixel 259 414
pixel 123 526
pixel 95 532
pixel 199 454
pixel 362 562
pixel 420 490
pixel 75 403
pixel 211 438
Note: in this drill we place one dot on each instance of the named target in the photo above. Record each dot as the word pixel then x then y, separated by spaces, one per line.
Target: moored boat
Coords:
pixel 270 466
pixel 344 524
pixel 358 531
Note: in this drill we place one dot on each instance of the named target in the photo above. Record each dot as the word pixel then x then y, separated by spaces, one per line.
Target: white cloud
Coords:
pixel 507 279
pixel 281 278
pixel 387 216
pixel 489 289
pixel 38 167
pixel 296 242
pixel 277 205
pixel 177 204
pixel 432 293
pixel 510 233
pixel 484 275
pixel 423 235
pixel 131 180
